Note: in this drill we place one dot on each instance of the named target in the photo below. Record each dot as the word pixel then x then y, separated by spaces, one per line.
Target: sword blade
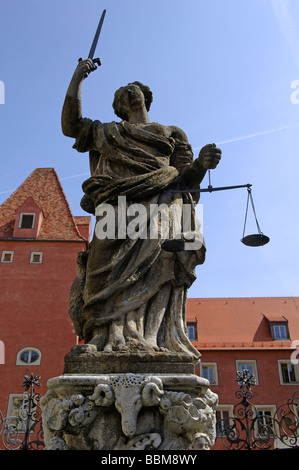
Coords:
pixel 96 36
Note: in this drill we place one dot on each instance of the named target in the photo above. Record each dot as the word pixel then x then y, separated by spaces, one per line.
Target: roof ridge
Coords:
pixel 15 190
pixel 45 188
pixel 68 206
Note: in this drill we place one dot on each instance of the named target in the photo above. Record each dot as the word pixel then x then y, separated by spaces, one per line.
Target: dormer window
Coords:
pixel 192 331
pixel 26 220
pixel 279 330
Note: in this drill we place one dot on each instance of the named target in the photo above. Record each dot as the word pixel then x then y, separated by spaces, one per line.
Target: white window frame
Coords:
pixel 13 411
pixel 279 324
pixel 7 252
pixel 281 362
pixel 220 409
pixel 21 219
pixel 279 337
pixel 34 253
pixel 37 362
pixel 213 366
pixel 248 362
pixel 15 414
pixel 265 409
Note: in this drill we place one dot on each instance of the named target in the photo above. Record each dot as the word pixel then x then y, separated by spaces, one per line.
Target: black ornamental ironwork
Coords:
pixel 24 430
pixel 250 428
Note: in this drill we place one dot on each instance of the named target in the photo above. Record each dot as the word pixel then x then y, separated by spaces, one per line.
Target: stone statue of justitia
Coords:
pixel 133 296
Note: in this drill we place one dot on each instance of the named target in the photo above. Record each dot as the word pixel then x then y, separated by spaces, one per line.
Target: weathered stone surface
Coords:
pixel 130 292
pixel 132 384
pixel 129 411
pixel 85 359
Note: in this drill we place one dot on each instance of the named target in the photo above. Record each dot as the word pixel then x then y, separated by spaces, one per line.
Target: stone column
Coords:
pixel 134 401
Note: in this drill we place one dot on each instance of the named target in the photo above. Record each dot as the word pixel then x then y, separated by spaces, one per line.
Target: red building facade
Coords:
pixel 257 334
pixel 39 243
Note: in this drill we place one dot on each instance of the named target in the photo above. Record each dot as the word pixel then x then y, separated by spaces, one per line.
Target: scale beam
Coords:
pixel 258 239
pixel 210 189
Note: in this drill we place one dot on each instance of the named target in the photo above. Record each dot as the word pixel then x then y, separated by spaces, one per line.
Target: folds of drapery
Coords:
pixel 125 278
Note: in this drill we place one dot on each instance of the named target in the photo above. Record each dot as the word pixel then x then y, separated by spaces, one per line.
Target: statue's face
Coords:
pixel 131 99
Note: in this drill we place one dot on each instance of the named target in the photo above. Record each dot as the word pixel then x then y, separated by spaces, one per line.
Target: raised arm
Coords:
pixel 72 110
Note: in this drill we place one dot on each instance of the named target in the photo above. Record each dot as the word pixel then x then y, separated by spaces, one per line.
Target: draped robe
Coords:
pixel 134 282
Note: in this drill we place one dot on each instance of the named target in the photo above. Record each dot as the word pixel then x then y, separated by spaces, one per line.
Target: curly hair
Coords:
pixel 148 98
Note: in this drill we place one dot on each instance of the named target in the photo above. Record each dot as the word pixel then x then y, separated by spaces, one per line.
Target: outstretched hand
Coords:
pixel 209 157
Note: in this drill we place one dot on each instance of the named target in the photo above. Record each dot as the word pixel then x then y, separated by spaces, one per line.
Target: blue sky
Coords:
pixel 220 70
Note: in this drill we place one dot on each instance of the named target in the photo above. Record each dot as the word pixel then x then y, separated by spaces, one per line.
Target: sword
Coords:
pixel 95 42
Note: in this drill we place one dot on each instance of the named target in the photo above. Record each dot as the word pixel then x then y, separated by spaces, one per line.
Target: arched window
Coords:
pixel 30 356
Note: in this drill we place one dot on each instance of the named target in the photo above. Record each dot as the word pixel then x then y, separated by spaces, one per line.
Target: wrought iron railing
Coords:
pixel 250 428
pixel 24 431
pixel 246 429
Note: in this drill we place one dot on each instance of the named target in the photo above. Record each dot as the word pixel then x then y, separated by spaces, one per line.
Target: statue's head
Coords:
pixel 117 104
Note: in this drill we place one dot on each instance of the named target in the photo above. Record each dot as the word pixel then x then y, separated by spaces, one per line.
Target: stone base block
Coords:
pixel 128 411
pixel 85 359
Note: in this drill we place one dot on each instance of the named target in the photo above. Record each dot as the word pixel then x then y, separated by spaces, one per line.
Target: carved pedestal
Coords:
pixel 88 408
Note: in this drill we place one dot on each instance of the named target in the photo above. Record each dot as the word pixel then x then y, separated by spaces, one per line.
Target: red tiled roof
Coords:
pixel 44 187
pixel 81 219
pixel 242 323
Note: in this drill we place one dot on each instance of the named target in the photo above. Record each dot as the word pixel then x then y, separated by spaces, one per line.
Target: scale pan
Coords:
pixel 258 239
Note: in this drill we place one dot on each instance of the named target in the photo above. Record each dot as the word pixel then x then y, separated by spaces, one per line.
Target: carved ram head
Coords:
pixel 129 397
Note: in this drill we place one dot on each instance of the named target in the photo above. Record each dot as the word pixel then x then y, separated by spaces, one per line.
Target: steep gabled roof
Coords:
pixel 44 187
pixel 242 323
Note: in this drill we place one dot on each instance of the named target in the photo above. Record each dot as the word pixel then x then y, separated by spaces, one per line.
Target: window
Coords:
pixel 278 325
pixel 36 257
pixel 208 370
pixel 26 220
pixel 192 331
pixel 279 331
pixel 30 356
pixel 15 403
pixel 222 422
pixel 263 418
pixel 18 412
pixel 249 365
pixel 7 256
pixel 288 372
pixel 223 414
pixel 264 422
